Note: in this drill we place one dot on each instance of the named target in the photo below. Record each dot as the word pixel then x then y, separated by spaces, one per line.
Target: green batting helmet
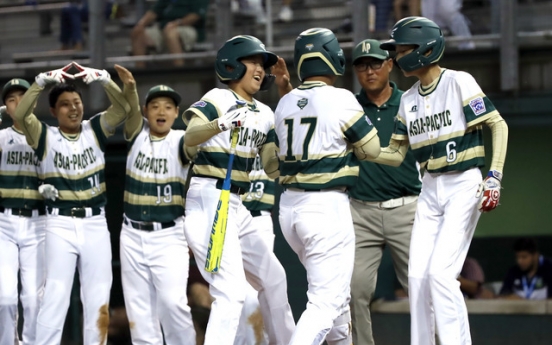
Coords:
pixel 317 53
pixel 14 84
pixel 424 34
pixel 235 49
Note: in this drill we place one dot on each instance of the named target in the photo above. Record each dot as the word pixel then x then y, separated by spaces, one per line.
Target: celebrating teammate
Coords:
pixel 154 252
pixel 21 225
pixel 240 63
pixel 321 129
pixel 441 118
pixel 259 200
pixel 72 165
pixel 383 201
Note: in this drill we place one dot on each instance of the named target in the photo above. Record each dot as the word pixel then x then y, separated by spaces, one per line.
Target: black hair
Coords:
pixel 525 244
pixel 58 89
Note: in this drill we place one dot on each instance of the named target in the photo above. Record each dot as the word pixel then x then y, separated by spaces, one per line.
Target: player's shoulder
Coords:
pixel 457 77
pixel 412 92
pixel 262 107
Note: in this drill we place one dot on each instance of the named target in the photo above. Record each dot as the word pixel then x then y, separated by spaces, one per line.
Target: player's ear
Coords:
pixel 389 64
pixel 145 111
pixel 53 112
pixel 177 112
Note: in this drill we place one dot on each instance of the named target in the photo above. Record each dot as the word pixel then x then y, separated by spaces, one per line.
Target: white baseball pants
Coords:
pixel 443 228
pixel 83 243
pixel 154 268
pixel 21 250
pixel 319 228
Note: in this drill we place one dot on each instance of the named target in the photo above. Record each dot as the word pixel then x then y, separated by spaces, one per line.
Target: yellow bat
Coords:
pixel 218 230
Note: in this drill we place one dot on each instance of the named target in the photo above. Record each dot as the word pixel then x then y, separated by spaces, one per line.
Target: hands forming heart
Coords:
pixel 87 74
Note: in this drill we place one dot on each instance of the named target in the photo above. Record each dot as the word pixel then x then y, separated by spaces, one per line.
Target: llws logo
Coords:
pixel 302 103
pixel 309 46
pixel 478 106
pixel 199 104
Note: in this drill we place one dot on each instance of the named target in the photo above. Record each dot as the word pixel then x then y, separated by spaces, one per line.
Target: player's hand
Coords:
pixel 125 75
pixel 3 110
pixel 90 75
pixel 281 72
pixel 48 191
pixel 489 192
pixel 55 76
pixel 233 119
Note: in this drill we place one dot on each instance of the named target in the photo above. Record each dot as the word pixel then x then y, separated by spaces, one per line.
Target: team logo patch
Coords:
pixel 302 103
pixel 478 106
pixel 309 46
pixel 199 104
pixel 368 120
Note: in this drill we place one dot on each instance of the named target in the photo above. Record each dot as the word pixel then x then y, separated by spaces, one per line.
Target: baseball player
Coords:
pixel 21 224
pixel 154 252
pixel 383 201
pixel 440 117
pixel 321 129
pixel 259 200
pixel 72 165
pixel 240 63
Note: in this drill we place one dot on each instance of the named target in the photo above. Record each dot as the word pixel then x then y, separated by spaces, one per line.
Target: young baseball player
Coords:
pixel 72 165
pixel 240 63
pixel 441 119
pixel 322 131
pixel 154 252
pixel 259 200
pixel 383 201
pixel 21 224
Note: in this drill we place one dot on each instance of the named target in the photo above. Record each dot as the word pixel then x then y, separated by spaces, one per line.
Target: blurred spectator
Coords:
pixel 72 18
pixel 531 278
pixel 177 26
pixel 406 8
pixel 250 8
pixel 383 10
pixel 446 14
pixel 471 280
pixel 286 13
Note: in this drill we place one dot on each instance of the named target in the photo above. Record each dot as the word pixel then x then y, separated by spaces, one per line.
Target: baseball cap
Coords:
pixel 370 48
pixel 14 84
pixel 163 91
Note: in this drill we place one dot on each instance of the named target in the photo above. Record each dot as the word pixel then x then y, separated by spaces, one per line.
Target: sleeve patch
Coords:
pixel 478 106
pixel 199 104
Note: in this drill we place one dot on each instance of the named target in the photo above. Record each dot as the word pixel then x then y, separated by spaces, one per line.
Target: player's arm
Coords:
pixel 283 80
pixel 134 120
pixel 269 155
pixel 200 130
pixel 30 125
pixel 499 131
pixel 393 154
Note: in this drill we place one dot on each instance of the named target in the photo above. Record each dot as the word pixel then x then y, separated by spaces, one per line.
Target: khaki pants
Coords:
pixel 188 36
pixel 376 227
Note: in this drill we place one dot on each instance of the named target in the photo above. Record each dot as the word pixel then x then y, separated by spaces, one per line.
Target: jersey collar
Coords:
pixel 311 84
pixel 424 91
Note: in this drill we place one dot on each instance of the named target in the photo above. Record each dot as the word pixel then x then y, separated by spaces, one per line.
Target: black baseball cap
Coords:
pixel 163 91
pixel 14 84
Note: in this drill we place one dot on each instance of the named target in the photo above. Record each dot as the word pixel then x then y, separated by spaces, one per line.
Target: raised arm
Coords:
pixel 134 120
pixel 283 81
pixel 117 112
pixel 393 154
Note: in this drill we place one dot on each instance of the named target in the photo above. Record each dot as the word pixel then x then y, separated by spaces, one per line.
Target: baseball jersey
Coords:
pixel 74 164
pixel 18 168
pixel 261 190
pixel 539 287
pixel 443 122
pixel 156 173
pixel 379 182
pixel 212 157
pixel 316 125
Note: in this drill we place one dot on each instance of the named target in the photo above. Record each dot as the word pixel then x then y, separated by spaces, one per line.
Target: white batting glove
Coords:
pixel 90 75
pixel 55 76
pixel 3 110
pixel 233 119
pixel 48 191
pixel 489 192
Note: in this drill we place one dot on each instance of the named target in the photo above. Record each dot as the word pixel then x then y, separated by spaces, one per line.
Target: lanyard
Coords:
pixel 528 290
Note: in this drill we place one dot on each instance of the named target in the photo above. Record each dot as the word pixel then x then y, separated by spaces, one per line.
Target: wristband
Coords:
pixel 495 174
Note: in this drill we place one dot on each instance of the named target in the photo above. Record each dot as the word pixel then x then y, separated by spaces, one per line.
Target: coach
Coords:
pixel 383 201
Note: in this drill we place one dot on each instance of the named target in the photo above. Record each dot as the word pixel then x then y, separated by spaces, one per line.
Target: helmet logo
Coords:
pixel 302 103
pixel 366 47
pixel 431 42
pixel 262 46
pixel 309 46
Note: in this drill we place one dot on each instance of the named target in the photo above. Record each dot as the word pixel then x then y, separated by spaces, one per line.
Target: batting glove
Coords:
pixel 55 76
pixel 233 119
pixel 48 191
pixel 489 191
pixel 90 75
pixel 3 111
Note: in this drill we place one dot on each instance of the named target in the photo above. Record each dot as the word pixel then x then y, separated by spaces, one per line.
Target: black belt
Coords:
pixel 147 226
pixel 78 212
pixel 233 188
pixel 334 189
pixel 255 213
pixel 23 212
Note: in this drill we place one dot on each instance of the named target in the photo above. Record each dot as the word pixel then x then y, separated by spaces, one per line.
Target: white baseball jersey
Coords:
pixel 74 164
pixel 212 158
pixel 156 173
pixel 443 122
pixel 18 167
pixel 316 125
